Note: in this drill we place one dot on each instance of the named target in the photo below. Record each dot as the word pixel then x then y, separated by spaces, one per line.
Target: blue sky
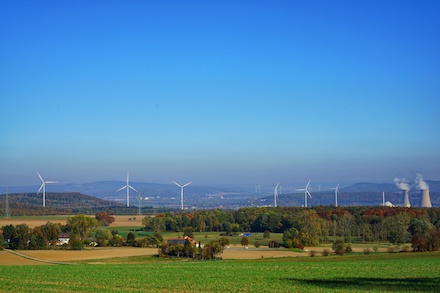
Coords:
pixel 219 92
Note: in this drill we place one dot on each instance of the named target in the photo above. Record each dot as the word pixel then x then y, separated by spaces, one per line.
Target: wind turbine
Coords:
pixel 258 188
pixel 275 193
pixel 43 186
pixel 181 192
pixel 336 189
pixel 128 187
pixel 306 192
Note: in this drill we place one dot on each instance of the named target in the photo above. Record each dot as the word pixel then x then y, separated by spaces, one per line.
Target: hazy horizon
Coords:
pixel 227 92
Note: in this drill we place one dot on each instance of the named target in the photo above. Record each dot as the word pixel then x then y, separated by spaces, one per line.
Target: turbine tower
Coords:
pixel 139 203
pixel 336 189
pixel 181 192
pixel 43 186
pixel 275 193
pixel 306 193
pixel 128 187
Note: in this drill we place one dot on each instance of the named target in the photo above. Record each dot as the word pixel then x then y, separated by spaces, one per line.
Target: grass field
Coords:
pixel 403 272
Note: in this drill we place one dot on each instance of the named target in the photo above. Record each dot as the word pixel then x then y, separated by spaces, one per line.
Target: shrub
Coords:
pixel 312 253
pixel 375 248
pixel 326 252
pixel 266 234
pixel 296 243
pixel 348 249
pixel 257 244
pixel 339 247
pixel 392 249
pixel 367 250
pixel 405 248
pixel 244 241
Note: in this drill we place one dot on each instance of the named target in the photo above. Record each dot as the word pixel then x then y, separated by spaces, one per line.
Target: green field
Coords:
pixel 403 272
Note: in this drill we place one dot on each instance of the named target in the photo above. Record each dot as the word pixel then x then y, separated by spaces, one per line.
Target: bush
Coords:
pixel 348 249
pixel 392 249
pixel 367 250
pixel 326 252
pixel 244 241
pixel 375 248
pixel 312 253
pixel 288 244
pixel 257 244
pixel 266 234
pixel 296 243
pixel 405 248
pixel 339 247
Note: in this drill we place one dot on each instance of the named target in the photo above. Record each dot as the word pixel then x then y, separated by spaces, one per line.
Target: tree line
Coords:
pixel 313 226
pixel 300 227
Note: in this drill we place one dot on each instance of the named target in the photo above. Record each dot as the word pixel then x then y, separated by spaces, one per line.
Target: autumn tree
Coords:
pixel 104 218
pixel 103 236
pixel 82 225
pixel 244 241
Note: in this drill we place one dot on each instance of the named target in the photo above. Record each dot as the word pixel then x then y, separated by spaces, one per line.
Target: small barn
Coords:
pixel 63 238
pixel 181 241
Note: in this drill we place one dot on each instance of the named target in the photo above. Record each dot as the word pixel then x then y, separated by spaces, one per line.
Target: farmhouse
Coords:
pixel 63 238
pixel 181 241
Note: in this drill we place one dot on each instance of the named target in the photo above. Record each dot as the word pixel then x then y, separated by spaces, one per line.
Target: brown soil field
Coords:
pixel 241 253
pixel 123 220
pixel 89 254
pixel 9 259
pixel 32 222
pixel 95 254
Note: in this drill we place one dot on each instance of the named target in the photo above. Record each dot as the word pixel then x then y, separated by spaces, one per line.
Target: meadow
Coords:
pixel 403 272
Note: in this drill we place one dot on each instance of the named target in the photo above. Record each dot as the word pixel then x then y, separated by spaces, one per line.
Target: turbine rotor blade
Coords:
pixel 41 187
pixel 177 184
pixel 132 188
pixel 41 178
pixel 308 193
pixel 187 184
pixel 122 188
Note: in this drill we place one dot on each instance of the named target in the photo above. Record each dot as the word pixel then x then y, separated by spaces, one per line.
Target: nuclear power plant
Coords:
pixel 426 200
pixel 406 202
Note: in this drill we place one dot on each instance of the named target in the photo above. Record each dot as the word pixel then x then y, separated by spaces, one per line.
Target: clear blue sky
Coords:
pixel 219 92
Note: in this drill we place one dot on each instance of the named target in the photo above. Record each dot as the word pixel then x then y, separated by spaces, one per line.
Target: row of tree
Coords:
pixel 310 227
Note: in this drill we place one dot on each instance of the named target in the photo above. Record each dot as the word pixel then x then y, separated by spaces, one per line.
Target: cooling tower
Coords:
pixel 406 199
pixel 426 200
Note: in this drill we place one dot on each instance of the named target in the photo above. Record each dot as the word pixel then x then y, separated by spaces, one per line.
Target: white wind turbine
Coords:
pixel 128 187
pixel 181 192
pixel 306 192
pixel 258 188
pixel 275 193
pixel 43 186
pixel 336 189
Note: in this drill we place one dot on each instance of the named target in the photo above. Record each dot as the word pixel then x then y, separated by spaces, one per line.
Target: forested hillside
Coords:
pixel 65 203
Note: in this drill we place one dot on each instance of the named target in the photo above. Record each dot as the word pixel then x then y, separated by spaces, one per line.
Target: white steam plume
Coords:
pixel 421 184
pixel 401 184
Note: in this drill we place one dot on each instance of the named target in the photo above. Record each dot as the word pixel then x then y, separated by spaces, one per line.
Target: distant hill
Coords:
pixel 58 204
pixel 101 195
pixel 434 186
